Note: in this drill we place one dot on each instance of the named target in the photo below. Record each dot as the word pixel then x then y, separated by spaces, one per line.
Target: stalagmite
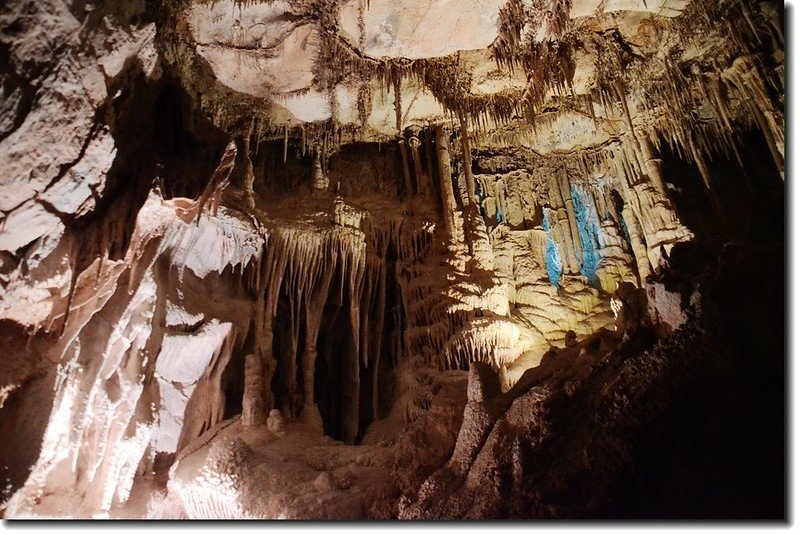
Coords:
pixel 321 181
pixel 409 188
pixel 226 293
pixel 245 163
pixel 445 179
pixel 253 407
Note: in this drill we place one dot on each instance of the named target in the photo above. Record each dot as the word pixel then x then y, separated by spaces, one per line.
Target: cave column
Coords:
pixel 243 175
pixel 272 276
pixel 652 165
pixel 249 177
pixel 655 215
pixel 445 180
pixel 309 362
pixel 422 179
pixel 310 412
pixel 477 238
pixel 467 158
pixel 352 384
pixel 561 231
pixel 408 185
pixel 637 243
pixel 610 206
pixel 429 145
pixel 569 205
pixel 321 181
pixel 253 404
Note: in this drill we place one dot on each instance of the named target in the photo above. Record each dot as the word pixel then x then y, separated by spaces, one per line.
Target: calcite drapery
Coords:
pixel 222 239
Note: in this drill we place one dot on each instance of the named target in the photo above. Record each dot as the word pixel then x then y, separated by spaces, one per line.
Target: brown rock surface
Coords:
pixel 340 259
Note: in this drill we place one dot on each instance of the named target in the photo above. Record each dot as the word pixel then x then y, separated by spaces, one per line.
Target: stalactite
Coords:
pixel 249 176
pixel 637 243
pixel 713 198
pixel 422 178
pixel 471 209
pixel 576 246
pixel 409 188
pixel 314 303
pixel 652 164
pixel 745 75
pixel 445 180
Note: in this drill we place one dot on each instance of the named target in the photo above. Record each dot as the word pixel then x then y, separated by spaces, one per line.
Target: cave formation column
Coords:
pixel 352 383
pixel 254 411
pixel 449 205
pixel 652 165
pixel 407 183
pixel 310 412
pixel 244 165
pixel 536 262
pixel 264 318
pixel 467 158
pixel 422 178
pixel 562 234
pixel 477 238
pixel 429 159
pixel 569 206
pixel 656 217
pixel 321 181
pixel 637 243
pixel 611 207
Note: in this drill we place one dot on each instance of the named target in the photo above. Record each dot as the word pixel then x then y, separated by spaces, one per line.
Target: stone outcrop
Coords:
pixel 342 259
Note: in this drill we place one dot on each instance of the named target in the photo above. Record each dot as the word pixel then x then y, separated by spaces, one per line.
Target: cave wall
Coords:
pixel 207 230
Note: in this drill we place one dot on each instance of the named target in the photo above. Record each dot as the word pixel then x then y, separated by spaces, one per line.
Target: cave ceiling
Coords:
pixel 375 68
pixel 392 259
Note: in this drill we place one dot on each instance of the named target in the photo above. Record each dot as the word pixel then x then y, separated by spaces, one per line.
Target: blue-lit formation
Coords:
pixel 589 230
pixel 552 258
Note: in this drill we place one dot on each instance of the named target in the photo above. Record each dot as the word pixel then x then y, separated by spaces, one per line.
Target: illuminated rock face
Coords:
pixel 341 259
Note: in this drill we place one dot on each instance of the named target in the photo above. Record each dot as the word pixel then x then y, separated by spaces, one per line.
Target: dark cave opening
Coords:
pixel 25 418
pixel 186 143
pixel 350 390
pixel 337 368
pixel 353 169
pixel 232 380
pixel 750 196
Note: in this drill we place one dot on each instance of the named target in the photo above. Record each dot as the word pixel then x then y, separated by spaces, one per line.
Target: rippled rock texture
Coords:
pixel 431 259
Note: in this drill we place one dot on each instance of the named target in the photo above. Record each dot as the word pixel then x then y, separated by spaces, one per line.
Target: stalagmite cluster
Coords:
pixel 347 259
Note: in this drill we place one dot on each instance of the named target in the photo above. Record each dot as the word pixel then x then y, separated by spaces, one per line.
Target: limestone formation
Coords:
pixel 372 259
